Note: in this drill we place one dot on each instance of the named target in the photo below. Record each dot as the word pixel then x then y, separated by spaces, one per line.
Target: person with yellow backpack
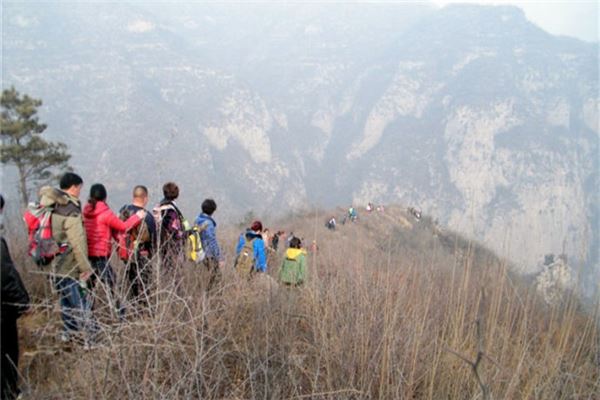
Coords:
pixel 293 268
pixel 250 250
pixel 206 226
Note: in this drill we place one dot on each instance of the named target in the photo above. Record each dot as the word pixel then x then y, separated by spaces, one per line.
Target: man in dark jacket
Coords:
pixel 15 302
pixel 207 226
pixel 140 245
pixel 171 227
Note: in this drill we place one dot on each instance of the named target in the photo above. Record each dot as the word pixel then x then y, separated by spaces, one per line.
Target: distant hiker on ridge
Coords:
pixel 275 240
pixel 331 224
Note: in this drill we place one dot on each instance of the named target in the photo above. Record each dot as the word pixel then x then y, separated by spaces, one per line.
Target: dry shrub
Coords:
pixel 384 313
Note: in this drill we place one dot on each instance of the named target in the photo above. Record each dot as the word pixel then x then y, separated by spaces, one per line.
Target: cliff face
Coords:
pixel 471 113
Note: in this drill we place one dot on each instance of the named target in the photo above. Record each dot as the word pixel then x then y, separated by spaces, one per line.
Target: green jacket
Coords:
pixel 67 228
pixel 293 269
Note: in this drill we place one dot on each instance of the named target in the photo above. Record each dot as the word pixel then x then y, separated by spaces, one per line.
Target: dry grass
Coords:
pixel 384 315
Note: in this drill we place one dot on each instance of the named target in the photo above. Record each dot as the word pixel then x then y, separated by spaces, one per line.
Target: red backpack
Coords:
pixel 42 246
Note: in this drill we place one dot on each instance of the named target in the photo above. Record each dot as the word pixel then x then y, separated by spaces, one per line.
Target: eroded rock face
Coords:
pixel 471 113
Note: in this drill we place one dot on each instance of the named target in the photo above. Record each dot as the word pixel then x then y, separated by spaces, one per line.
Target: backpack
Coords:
pixel 42 246
pixel 159 212
pixel 193 244
pixel 132 239
pixel 244 263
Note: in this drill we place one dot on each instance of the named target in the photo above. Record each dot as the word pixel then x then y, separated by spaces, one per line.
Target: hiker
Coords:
pixel 415 212
pixel 71 270
pixel 275 240
pixel 137 246
pixel 15 302
pixel 100 225
pixel 352 215
pixel 331 223
pixel 207 226
pixel 293 268
pixel 250 251
pixel 171 227
pixel 266 237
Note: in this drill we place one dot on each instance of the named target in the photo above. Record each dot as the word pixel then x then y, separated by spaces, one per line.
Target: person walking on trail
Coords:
pixel 101 224
pixel 171 227
pixel 331 223
pixel 15 302
pixel 250 251
pixel 352 215
pixel 137 246
pixel 71 270
pixel 275 240
pixel 207 226
pixel 293 268
pixel 266 236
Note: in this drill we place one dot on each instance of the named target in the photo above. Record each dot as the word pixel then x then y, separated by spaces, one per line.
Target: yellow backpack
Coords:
pixel 193 244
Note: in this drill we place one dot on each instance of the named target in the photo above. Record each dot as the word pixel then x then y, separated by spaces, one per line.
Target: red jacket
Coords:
pixel 100 224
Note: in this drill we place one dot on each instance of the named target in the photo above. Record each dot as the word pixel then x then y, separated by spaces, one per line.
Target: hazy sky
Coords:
pixel 572 18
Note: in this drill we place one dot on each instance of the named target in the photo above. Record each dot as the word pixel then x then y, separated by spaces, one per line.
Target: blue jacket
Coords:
pixel 260 257
pixel 208 237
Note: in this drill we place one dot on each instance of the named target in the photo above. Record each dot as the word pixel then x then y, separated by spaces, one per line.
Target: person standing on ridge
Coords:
pixel 207 227
pixel 101 224
pixel 138 245
pixel 71 270
pixel 275 240
pixel 171 227
pixel 293 268
pixel 15 302
pixel 250 251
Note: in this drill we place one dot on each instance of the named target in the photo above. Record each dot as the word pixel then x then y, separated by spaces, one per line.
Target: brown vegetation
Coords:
pixel 388 313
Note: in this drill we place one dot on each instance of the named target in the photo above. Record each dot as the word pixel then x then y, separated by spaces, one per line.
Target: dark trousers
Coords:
pixel 214 278
pixel 76 310
pixel 138 274
pixel 106 274
pixel 9 350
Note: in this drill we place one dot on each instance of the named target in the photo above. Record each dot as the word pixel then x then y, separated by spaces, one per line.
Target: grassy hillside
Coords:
pixel 394 308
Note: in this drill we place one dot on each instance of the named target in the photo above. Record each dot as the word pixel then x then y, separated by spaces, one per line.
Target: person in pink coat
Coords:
pixel 102 225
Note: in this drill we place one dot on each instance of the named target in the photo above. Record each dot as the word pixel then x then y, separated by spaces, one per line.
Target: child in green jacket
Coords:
pixel 293 269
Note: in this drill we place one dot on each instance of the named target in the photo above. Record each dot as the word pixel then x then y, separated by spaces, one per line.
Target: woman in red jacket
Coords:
pixel 101 224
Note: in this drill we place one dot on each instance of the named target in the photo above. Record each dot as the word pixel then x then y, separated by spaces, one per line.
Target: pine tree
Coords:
pixel 36 159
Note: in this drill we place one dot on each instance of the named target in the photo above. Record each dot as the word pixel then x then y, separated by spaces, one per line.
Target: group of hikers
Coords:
pixel 351 215
pixel 74 245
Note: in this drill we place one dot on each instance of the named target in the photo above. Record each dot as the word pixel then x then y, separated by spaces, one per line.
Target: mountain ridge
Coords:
pixel 472 113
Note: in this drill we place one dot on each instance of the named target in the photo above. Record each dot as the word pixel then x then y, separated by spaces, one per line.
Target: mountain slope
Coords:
pixel 472 113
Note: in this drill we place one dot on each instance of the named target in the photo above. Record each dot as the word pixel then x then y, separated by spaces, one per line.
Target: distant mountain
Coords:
pixel 471 113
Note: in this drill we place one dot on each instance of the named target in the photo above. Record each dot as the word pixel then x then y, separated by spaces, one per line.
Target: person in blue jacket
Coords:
pixel 213 260
pixel 260 257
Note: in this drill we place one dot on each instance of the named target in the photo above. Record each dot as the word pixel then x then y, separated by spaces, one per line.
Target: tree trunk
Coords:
pixel 23 187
